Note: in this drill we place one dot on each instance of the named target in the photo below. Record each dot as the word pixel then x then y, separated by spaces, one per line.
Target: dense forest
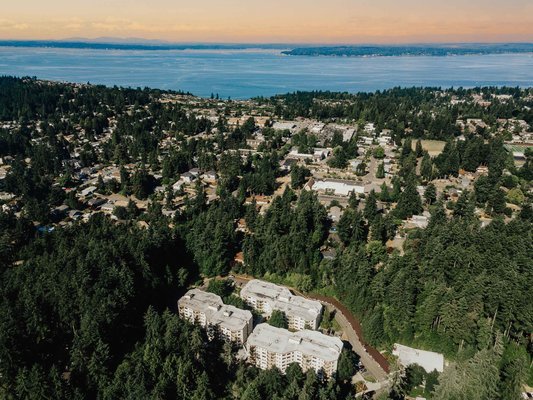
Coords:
pixel 87 310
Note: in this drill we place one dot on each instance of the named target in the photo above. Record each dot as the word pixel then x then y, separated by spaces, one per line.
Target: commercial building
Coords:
pixel 266 297
pixel 209 311
pixel 269 347
pixel 428 360
pixel 336 187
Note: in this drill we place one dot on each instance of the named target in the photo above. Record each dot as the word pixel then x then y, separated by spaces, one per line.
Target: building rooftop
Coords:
pixel 426 359
pixel 282 299
pixel 216 312
pixel 308 342
pixel 340 187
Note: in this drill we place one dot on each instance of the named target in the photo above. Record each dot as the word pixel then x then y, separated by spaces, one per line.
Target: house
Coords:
pixel 210 175
pixel 108 207
pixel 95 203
pixel 287 164
pixel 188 177
pixel 417 221
pixel 88 191
pixel 74 214
pixel 178 185
pixel 60 211
pixel 195 171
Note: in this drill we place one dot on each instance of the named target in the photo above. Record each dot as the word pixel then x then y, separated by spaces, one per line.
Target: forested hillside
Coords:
pixel 87 296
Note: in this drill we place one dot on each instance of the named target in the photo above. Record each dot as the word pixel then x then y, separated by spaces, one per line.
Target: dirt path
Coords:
pixel 371 358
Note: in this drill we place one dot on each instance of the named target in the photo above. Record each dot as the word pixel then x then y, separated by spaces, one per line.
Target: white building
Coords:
pixel 266 297
pixel 337 187
pixel 209 311
pixel 426 359
pixel 269 347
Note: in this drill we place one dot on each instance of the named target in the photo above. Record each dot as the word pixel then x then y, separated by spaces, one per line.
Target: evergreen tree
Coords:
pixel 278 319
pixel 496 202
pixel 426 167
pixel 409 202
pixel 430 194
pixel 371 208
pixel 380 172
pixel 419 151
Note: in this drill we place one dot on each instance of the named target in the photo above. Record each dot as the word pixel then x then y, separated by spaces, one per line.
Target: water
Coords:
pixel 243 74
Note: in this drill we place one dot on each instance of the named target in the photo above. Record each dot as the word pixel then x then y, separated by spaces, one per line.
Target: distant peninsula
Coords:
pixel 412 50
pixel 116 44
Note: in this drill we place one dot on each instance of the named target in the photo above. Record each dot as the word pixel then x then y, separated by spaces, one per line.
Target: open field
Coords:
pixel 433 147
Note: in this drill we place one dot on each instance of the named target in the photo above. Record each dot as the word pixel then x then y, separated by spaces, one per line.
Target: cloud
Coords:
pixel 7 25
pixel 124 25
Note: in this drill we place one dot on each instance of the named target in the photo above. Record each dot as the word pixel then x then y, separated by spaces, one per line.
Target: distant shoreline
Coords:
pixel 137 46
pixel 412 50
pixel 415 50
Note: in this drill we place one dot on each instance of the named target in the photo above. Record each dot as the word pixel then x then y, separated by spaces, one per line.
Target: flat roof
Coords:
pixel 216 312
pixel 342 188
pixel 281 298
pixel 308 342
pixel 428 360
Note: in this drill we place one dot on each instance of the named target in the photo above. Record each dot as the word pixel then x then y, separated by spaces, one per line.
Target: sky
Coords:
pixel 272 21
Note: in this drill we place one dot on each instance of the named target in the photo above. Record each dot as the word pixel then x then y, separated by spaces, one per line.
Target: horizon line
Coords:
pixel 154 42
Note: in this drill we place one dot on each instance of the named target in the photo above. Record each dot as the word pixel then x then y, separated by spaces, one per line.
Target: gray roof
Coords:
pixel 307 342
pixel 215 310
pixel 281 298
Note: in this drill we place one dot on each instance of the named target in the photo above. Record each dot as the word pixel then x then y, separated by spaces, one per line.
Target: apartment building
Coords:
pixel 209 311
pixel 269 347
pixel 266 297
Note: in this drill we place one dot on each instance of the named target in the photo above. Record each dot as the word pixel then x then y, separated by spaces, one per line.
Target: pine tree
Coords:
pixel 430 194
pixel 419 151
pixel 426 167
pixel 409 203
pixel 496 203
pixel 385 195
pixel 380 173
pixel 464 207
pixel 371 207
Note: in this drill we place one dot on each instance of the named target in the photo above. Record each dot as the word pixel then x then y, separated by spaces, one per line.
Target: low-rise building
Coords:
pixel 337 187
pixel 266 297
pixel 428 360
pixel 209 311
pixel 269 347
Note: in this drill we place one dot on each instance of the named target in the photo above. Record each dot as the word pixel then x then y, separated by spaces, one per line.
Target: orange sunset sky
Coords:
pixel 296 21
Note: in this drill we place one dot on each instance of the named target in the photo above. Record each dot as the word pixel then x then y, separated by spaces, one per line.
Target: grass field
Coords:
pixel 433 147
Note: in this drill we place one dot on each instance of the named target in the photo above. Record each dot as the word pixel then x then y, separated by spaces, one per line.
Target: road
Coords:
pixel 371 359
pixel 368 362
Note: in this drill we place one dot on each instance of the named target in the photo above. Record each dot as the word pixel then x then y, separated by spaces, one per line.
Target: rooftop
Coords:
pixel 426 359
pixel 311 343
pixel 282 299
pixel 215 310
pixel 342 188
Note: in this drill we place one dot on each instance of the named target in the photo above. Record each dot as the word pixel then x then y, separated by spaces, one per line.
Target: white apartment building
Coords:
pixel 269 347
pixel 266 297
pixel 209 311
